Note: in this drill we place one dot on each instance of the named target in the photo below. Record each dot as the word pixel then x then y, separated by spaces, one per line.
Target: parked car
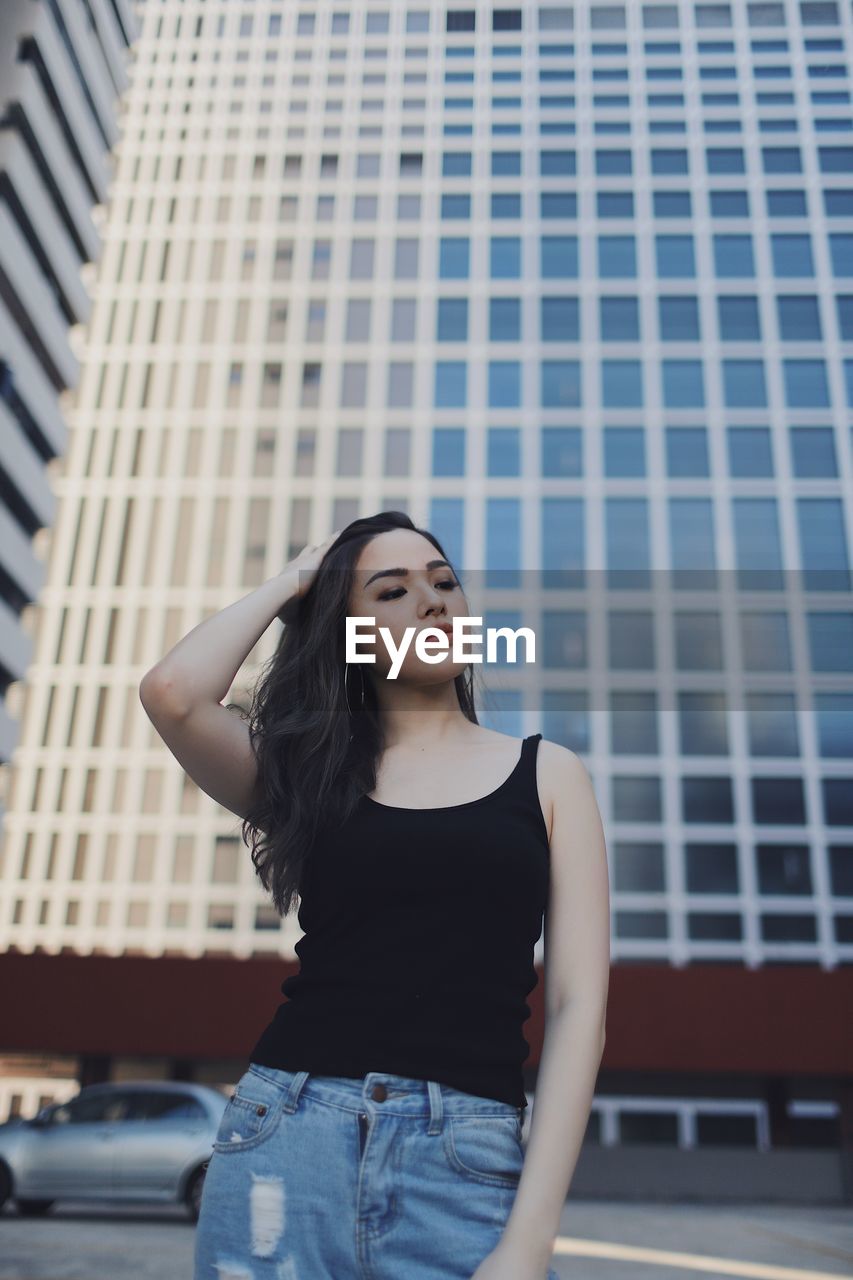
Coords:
pixel 133 1141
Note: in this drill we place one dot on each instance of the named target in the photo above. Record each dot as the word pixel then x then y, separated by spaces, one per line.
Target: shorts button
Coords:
pixel 262 1111
pixel 379 1093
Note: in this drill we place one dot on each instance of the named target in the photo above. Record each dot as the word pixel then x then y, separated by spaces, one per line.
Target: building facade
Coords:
pixel 573 285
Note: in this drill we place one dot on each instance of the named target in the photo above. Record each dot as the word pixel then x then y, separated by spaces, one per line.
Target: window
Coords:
pixel 560 384
pixel 819 14
pixel 750 452
pixel 707 799
pixel 556 18
pixel 452 323
pixel 456 164
pixel 551 163
pixel 505 205
pixel 830 641
pixel 505 262
pixel 403 315
pixel 503 451
pixel 841 254
pixel 687 452
pixel 792 255
pixel 448 451
pixel 619 319
pixel 453 206
pixel 506 19
pixel 658 16
pixel 93 1106
pixel 624 451
pixel 805 384
pixel 672 204
pixel 503 541
pixel 799 317
pixel 460 20
pixel 758 547
pixel 613 162
pixel 617 257
pixel 743 384
pixel 766 15
pixel 454 257
pixel 350 447
pixel 621 383
pixel 670 161
pixel 786 204
pixel 733 256
pixel 561 532
pixel 781 160
pixel 559 319
pixel 557 205
pixel 675 256
pixel 451 384
pixel 506 164
pixel 627 542
pixel 729 204
pixel 633 722
pixel 691 542
pixel 561 452
pixel 367 165
pixel 813 453
pixel 678 318
pixel 765 642
pixel 738 318
pixel 397 461
pixel 823 546
pixel 377 23
pixel 702 723
pixel 844 310
pixel 401 378
pixel 607 17
pixel 357 327
pixel 725 160
pixel 615 204
pixel 682 384
pixel 353 385
pixel 505 319
pixel 630 640
pixel 503 384
pixel 558 257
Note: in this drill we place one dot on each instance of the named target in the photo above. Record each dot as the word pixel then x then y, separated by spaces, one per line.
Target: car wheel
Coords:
pixel 195 1187
pixel 5 1184
pixel 33 1208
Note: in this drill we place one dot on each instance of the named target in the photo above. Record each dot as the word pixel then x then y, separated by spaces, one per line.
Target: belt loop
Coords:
pixel 291 1097
pixel 435 1106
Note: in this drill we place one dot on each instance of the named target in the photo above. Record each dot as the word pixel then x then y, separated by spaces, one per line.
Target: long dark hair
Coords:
pixel 316 757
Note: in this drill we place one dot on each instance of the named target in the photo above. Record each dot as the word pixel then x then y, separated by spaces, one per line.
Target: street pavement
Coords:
pixel 613 1240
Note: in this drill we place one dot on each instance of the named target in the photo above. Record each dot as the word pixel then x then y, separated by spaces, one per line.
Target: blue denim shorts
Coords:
pixel 379 1178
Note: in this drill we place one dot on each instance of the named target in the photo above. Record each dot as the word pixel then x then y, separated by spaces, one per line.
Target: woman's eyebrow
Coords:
pixel 402 573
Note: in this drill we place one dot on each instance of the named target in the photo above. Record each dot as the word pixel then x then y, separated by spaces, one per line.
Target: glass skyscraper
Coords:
pixel 573 285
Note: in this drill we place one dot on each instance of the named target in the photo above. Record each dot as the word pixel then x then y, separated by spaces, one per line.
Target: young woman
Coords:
pixel 377 1129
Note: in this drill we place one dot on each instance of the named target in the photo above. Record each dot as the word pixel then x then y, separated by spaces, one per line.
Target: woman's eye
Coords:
pixel 394 594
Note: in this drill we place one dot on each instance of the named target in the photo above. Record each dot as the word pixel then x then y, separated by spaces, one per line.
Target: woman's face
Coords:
pixel 420 590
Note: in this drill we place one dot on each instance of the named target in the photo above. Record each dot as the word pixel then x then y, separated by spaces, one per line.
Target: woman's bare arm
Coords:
pixel 182 693
pixel 202 666
pixel 182 696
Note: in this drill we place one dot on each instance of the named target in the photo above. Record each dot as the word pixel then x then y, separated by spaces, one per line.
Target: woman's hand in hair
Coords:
pixel 301 572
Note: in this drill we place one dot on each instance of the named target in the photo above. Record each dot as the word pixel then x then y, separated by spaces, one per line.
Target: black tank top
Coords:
pixel 417 955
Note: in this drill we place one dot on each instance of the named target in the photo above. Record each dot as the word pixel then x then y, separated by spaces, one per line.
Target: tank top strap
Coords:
pixel 525 775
